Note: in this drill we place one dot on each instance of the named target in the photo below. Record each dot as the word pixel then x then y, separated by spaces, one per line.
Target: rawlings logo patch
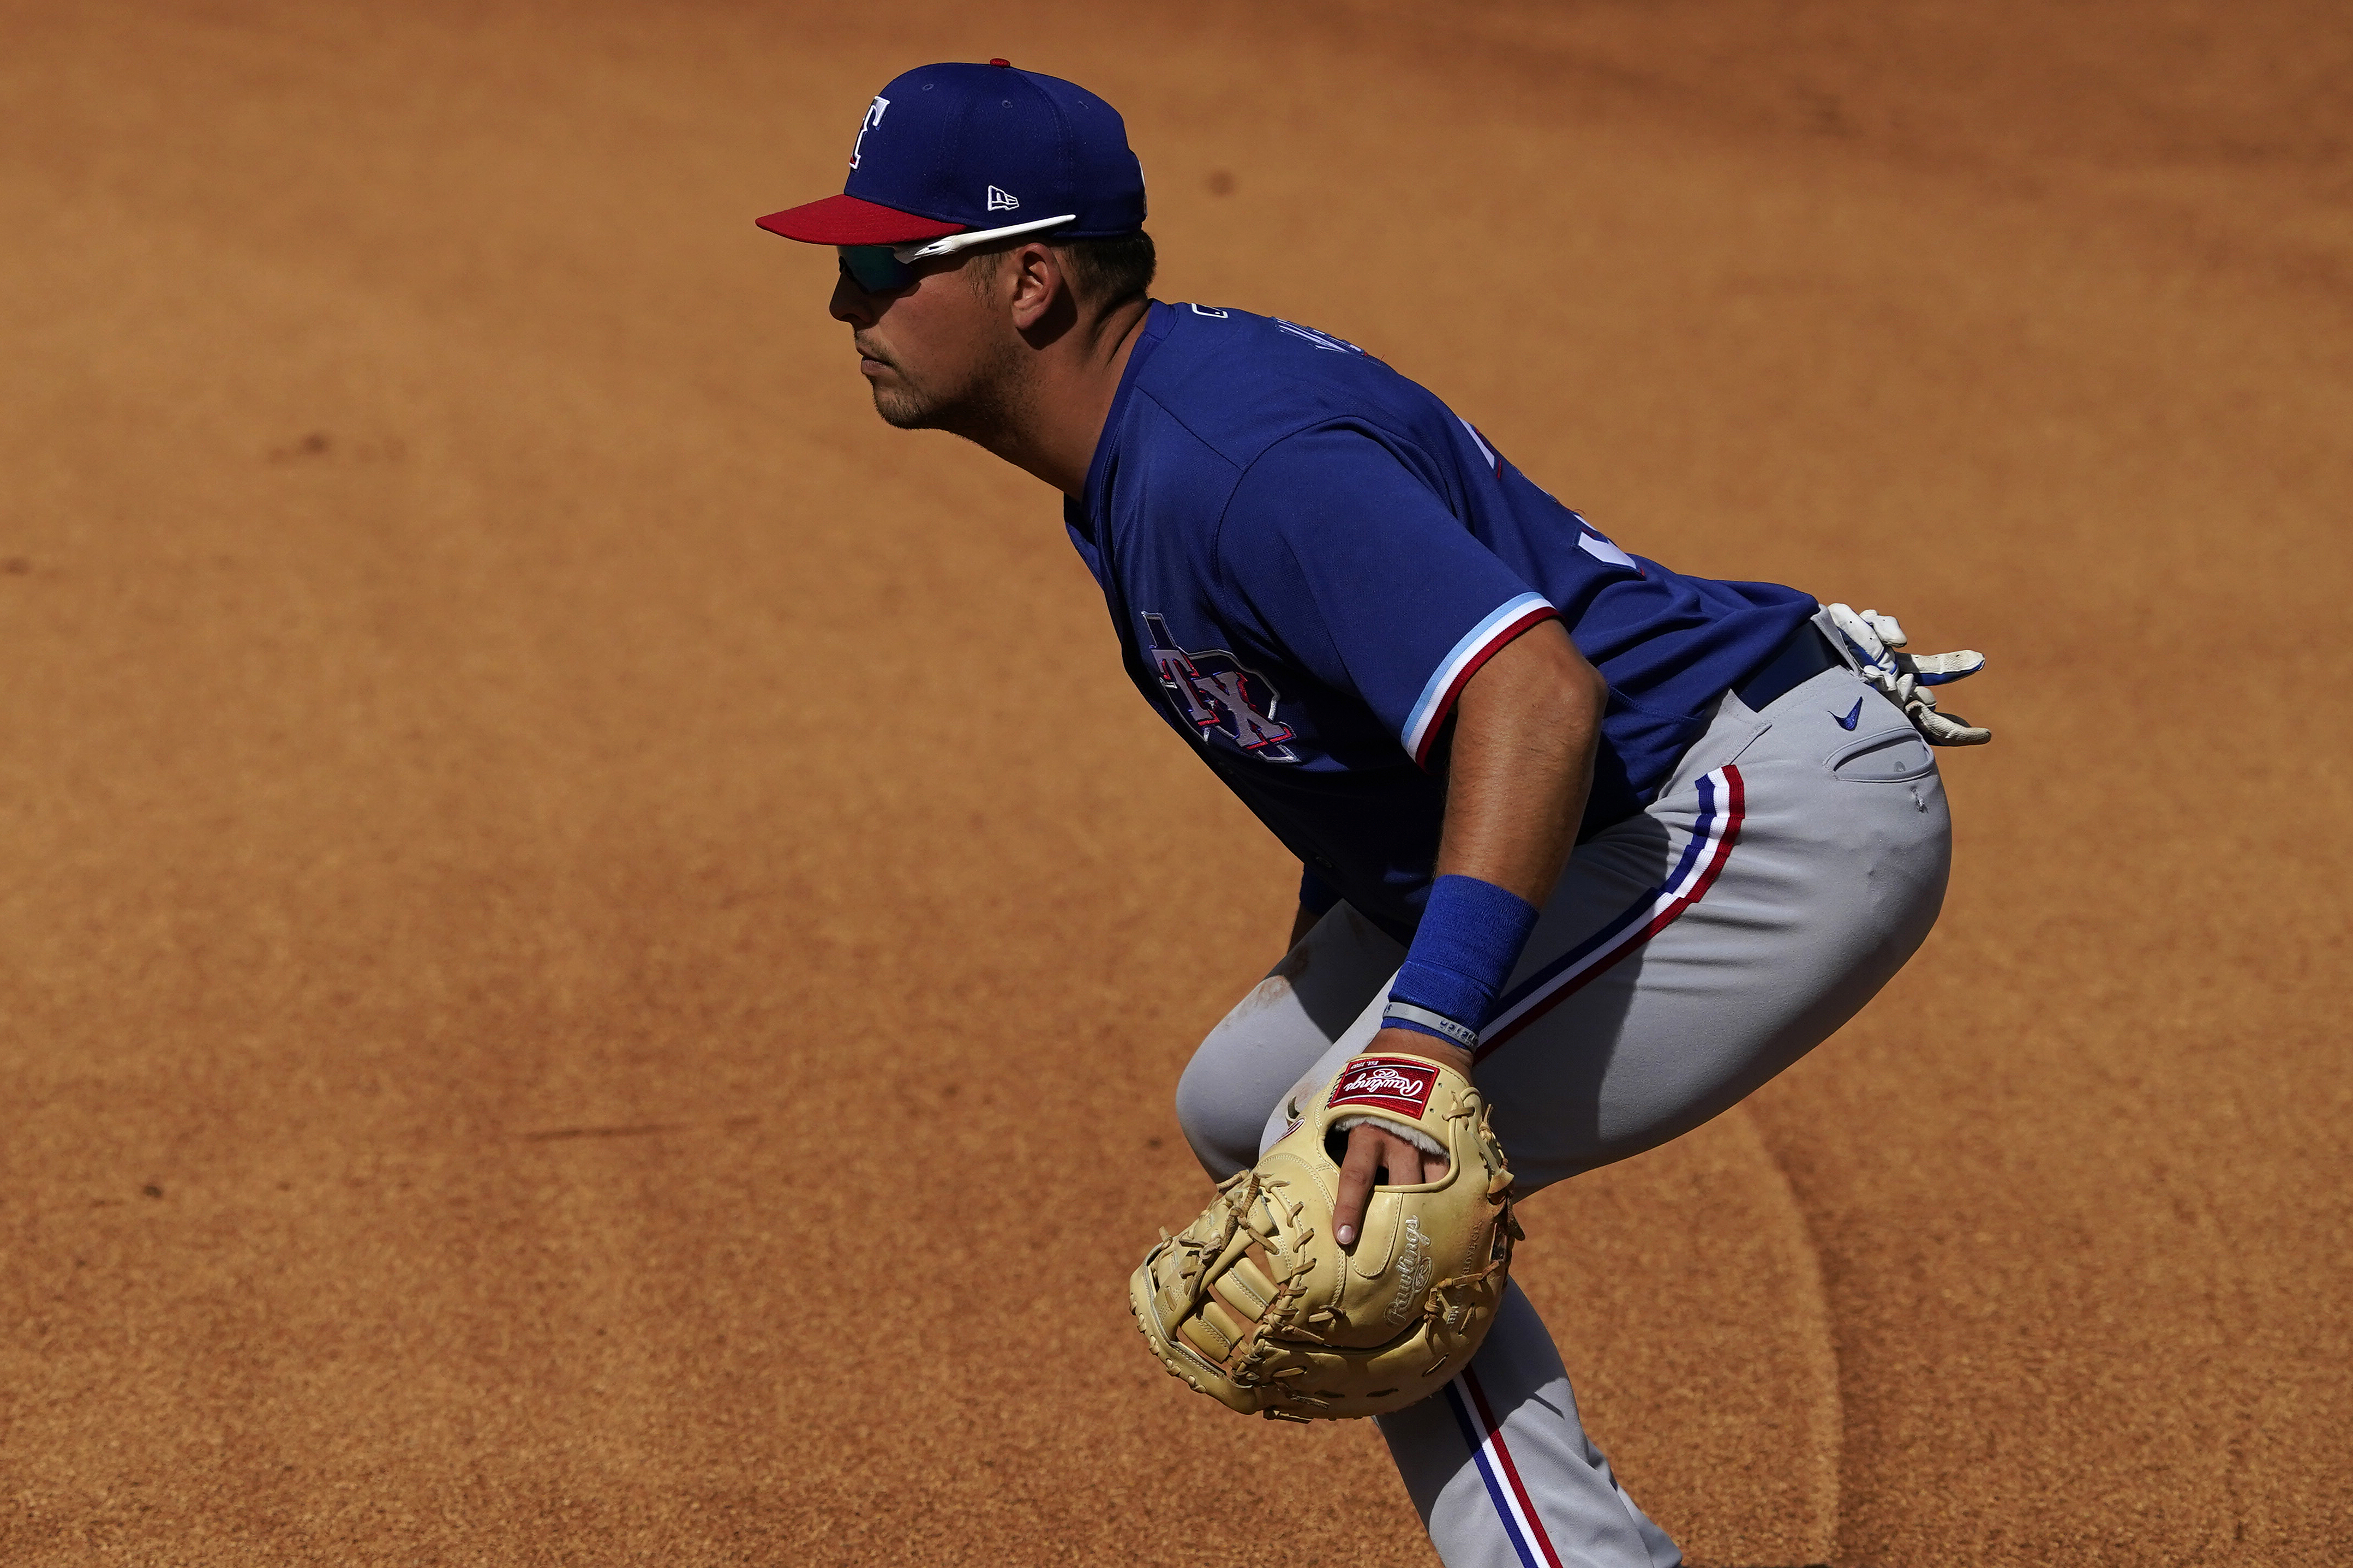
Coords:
pixel 1415 1265
pixel 1387 1082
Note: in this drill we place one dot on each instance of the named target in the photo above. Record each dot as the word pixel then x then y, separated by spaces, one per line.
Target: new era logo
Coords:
pixel 1380 1080
pixel 999 201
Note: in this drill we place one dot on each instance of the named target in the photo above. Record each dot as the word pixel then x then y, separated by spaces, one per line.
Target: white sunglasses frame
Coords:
pixel 949 244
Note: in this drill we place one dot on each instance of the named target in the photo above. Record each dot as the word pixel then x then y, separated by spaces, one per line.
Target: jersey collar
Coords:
pixel 1157 319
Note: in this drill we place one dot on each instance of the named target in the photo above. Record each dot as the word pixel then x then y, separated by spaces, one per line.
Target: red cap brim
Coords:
pixel 845 220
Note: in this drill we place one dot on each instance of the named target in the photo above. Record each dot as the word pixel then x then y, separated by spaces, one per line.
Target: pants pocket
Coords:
pixel 1890 757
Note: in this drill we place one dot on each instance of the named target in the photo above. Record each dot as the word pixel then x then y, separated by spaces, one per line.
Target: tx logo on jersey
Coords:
pixel 1212 692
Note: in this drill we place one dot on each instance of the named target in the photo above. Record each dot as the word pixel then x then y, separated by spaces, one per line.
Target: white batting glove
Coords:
pixel 1875 640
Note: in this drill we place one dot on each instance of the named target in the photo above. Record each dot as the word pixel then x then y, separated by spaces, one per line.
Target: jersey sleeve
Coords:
pixel 1352 562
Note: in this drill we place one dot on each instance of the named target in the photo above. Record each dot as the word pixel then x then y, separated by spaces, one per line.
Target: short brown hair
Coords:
pixel 1104 272
pixel 1111 270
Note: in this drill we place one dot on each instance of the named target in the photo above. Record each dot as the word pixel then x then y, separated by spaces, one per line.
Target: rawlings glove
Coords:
pixel 1874 640
pixel 1255 1305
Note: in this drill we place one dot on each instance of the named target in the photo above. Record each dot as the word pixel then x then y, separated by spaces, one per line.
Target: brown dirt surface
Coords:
pixel 596 950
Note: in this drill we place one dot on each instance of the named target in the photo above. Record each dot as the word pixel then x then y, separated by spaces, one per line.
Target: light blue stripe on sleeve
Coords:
pixel 1441 679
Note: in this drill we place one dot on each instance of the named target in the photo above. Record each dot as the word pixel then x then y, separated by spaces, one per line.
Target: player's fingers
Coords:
pixel 1407 1163
pixel 1363 1157
pixel 1937 668
pixel 1858 633
pixel 1950 729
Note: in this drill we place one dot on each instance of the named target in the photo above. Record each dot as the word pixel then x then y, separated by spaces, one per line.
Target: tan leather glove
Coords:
pixel 1255 1305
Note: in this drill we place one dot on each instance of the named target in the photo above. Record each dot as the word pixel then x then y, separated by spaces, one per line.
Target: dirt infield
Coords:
pixel 595 948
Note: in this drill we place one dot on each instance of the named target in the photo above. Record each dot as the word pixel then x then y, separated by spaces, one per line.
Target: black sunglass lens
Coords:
pixel 874 268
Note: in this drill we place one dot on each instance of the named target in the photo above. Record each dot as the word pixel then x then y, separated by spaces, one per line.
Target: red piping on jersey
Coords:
pixel 1445 709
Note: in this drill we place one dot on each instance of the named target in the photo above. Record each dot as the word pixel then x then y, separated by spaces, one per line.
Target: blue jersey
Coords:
pixel 1308 555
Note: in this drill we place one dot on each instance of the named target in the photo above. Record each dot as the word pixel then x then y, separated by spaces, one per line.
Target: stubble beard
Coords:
pixel 904 407
pixel 988 410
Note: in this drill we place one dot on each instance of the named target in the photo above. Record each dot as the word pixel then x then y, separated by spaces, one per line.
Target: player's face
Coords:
pixel 933 351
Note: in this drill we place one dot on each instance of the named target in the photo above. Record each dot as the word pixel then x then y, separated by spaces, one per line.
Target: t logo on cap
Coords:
pixel 873 118
pixel 943 148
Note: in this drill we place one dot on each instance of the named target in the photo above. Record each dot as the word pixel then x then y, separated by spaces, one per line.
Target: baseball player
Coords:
pixel 1621 842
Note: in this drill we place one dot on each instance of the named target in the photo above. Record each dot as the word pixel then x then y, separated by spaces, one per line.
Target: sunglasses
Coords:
pixel 876 268
pixel 887 268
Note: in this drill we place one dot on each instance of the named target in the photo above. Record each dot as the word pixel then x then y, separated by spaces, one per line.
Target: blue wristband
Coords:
pixel 1470 936
pixel 1422 1021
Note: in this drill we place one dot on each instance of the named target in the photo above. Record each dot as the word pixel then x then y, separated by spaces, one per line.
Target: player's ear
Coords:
pixel 1041 296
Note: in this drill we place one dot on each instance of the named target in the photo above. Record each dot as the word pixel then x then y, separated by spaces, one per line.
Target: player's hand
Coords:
pixel 1377 1156
pixel 1877 642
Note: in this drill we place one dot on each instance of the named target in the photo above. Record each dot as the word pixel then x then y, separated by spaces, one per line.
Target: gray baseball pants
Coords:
pixel 1795 860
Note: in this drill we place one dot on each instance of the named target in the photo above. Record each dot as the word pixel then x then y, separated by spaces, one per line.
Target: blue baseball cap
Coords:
pixel 949 156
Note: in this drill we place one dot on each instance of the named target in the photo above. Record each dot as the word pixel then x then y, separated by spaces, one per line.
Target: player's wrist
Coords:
pixel 1411 1019
pixel 1469 941
pixel 1393 1039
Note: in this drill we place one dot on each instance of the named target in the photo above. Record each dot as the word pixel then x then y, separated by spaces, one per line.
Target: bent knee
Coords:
pixel 1274 1034
pixel 1220 1119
